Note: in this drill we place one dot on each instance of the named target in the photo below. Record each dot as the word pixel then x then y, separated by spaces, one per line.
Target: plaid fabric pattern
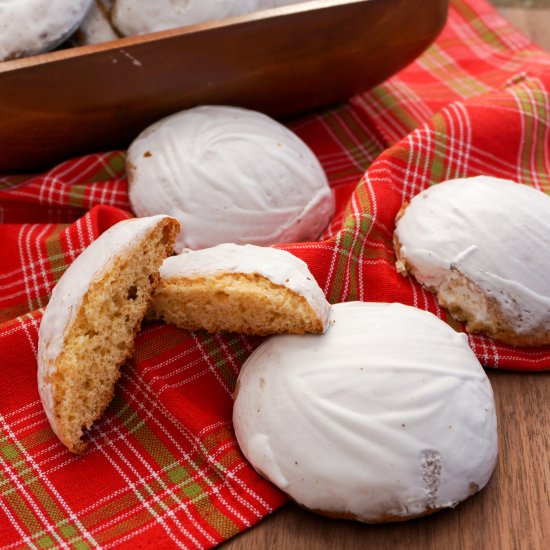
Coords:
pixel 163 468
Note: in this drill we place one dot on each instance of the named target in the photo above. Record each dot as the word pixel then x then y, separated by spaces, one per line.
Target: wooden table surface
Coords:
pixel 513 512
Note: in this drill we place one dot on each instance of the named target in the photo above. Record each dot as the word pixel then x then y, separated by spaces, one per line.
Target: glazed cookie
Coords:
pixel 143 16
pixel 29 27
pixel 229 175
pixel 386 417
pixel 481 245
pixel 89 325
pixel 96 27
pixel 234 288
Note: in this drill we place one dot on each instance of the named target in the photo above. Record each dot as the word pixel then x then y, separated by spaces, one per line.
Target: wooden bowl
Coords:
pixel 281 61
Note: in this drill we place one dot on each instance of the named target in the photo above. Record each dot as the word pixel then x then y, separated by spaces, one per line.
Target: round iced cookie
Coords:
pixel 28 27
pixel 386 417
pixel 229 175
pixel 96 27
pixel 481 245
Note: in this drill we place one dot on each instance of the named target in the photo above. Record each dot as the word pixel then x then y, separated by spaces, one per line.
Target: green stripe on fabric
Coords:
pixel 77 195
pixel 215 353
pixel 451 74
pixel 56 258
pixel 395 104
pixel 13 181
pixel 538 140
pixel 366 140
pixel 345 246
pixel 484 32
pixel 238 353
pixel 36 438
pixel 217 519
pixel 19 507
pixel 439 151
pixel 527 117
pixel 112 509
pixel 45 542
pixel 160 342
pixel 542 117
pixel 339 271
pixel 12 454
pixel 114 167
pixel 174 474
pixel 229 460
pixel 225 462
pixel 128 525
pixel 363 148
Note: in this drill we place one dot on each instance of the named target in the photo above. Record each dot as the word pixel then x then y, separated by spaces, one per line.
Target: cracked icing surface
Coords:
pixel 229 175
pixel 388 415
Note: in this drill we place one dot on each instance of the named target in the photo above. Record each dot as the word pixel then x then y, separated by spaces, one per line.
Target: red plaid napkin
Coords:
pixel 164 469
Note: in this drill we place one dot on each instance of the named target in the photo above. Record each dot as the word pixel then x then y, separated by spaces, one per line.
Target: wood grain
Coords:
pixel 522 3
pixel 533 22
pixel 512 513
pixel 284 61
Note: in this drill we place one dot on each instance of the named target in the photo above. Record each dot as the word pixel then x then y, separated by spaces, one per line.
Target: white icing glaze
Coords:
pixel 96 27
pixel 71 288
pixel 387 414
pixel 279 266
pixel 142 16
pixel 495 232
pixel 229 175
pixel 33 26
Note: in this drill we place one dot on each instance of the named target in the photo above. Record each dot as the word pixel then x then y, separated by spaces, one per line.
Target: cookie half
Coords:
pixel 89 325
pixel 246 289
